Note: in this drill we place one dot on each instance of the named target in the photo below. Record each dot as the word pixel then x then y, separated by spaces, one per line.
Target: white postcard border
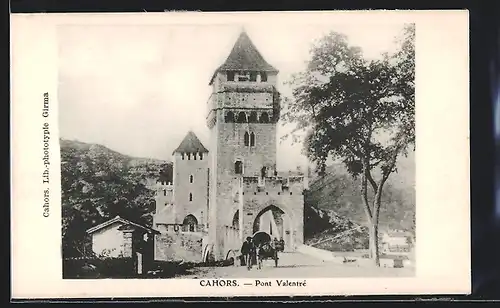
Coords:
pixel 442 158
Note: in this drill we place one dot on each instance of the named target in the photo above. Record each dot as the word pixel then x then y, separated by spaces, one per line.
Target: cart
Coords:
pixel 265 249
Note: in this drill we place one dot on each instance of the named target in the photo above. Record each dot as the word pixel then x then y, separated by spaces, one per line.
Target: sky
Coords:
pixel 138 90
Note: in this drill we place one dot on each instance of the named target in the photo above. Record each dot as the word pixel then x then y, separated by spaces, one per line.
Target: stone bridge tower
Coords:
pixel 242 114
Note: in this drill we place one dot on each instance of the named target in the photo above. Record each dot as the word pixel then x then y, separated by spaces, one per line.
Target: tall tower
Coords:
pixel 191 161
pixel 242 115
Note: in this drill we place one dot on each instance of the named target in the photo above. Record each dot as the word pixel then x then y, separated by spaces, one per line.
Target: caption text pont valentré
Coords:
pixel 254 283
pixel 46 155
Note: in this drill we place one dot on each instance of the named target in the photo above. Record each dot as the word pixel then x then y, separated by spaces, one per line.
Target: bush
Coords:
pixel 117 268
pixel 99 268
pixel 164 269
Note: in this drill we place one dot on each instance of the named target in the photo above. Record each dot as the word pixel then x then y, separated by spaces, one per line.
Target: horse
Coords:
pixel 265 251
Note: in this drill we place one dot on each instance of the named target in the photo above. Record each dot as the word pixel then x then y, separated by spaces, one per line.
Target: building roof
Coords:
pixel 191 144
pixel 244 56
pixel 123 221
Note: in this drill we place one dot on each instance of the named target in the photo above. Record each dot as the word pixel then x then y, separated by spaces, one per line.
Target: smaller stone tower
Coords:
pixel 164 206
pixel 191 183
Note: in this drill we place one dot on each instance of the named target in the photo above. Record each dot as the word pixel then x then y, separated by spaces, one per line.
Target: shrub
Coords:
pixel 99 268
pixel 165 269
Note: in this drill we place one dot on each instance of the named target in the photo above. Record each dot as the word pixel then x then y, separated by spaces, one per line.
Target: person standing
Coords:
pixel 246 250
pixel 282 244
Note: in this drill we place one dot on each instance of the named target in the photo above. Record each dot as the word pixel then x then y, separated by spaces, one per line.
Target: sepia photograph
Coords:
pixel 258 161
pixel 240 154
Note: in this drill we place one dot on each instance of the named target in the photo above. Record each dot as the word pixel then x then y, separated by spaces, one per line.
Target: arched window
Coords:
pixel 246 138
pixel 252 139
pixel 242 117
pixel 189 156
pixel 201 156
pixel 194 156
pixel 189 223
pixel 238 167
pixel 229 117
pixel 190 197
pixel 182 155
pixel 190 179
pixel 264 118
pixel 253 117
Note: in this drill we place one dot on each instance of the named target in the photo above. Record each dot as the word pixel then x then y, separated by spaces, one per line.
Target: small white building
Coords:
pixel 119 237
pixel 395 241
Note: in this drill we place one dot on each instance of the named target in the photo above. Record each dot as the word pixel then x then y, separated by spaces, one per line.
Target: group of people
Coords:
pixel 250 251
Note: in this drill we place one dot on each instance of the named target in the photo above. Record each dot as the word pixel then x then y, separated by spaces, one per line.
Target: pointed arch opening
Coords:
pixel 242 117
pixel 253 117
pixel 252 139
pixel 264 118
pixel 229 118
pixel 264 220
pixel 276 223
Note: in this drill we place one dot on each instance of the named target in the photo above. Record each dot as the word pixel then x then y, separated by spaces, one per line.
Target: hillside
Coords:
pixel 334 207
pixel 337 191
pixel 98 183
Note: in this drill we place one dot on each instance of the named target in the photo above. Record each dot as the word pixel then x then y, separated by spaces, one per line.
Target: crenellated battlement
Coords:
pixel 164 185
pixel 274 184
pixel 164 189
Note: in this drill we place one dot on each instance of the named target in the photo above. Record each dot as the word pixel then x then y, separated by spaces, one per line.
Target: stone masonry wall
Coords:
pixel 178 246
pixel 232 147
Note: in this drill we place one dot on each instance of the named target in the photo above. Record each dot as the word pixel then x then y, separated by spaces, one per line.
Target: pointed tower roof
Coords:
pixel 191 144
pixel 244 56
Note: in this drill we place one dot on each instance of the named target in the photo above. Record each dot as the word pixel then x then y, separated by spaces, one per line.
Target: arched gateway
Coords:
pixel 275 222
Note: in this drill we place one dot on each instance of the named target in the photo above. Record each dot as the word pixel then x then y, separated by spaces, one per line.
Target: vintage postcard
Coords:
pixel 240 154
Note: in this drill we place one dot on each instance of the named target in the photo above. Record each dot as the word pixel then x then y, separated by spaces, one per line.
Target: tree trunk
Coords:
pixel 374 248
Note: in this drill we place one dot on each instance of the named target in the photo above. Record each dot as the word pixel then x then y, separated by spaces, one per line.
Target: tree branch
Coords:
pixel 371 180
pixel 367 157
pixel 385 176
pixel 365 191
